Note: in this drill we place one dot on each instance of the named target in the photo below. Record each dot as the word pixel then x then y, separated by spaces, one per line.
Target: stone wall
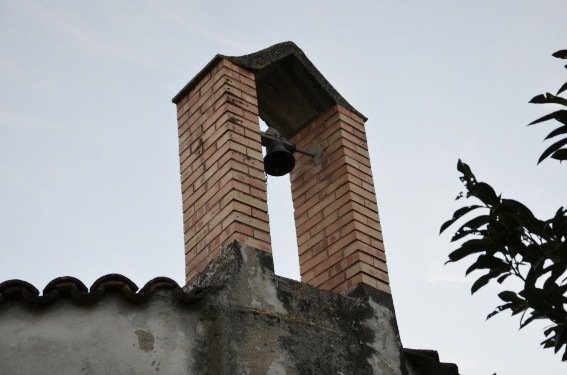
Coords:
pixel 236 317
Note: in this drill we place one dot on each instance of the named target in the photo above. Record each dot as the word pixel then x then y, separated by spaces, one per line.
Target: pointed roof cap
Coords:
pixel 291 91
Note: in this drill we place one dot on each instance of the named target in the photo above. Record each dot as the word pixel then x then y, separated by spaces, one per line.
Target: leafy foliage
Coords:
pixel 508 240
pixel 557 150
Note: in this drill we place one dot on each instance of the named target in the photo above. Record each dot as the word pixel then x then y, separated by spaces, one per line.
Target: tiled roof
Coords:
pixel 74 289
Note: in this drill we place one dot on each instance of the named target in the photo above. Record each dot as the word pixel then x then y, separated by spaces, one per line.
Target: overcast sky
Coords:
pixel 89 169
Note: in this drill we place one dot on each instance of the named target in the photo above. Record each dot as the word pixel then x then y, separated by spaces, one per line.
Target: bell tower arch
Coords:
pixel 223 182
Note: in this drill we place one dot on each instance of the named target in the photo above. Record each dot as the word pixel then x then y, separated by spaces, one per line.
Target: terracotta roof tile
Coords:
pixel 74 289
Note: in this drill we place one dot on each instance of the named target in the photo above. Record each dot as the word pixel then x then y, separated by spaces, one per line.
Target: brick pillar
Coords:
pixel 222 172
pixel 336 214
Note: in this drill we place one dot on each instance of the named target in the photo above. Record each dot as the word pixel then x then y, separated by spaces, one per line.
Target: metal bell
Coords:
pixel 278 161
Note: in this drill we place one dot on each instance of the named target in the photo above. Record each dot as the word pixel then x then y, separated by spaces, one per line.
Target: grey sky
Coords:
pixel 89 173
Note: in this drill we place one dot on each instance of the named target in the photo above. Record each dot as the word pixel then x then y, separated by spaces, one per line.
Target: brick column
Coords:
pixel 222 172
pixel 336 214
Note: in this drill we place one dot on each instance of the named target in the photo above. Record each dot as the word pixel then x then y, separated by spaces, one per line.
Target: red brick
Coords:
pixel 310 228
pixel 312 261
pixel 307 242
pixel 262 235
pixel 316 194
pixel 320 279
pixel 333 281
pixel 337 223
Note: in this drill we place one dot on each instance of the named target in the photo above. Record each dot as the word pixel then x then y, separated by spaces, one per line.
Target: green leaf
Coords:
pixel 488 261
pixel 470 247
pixel 561 54
pixel 476 222
pixel 457 215
pixel 517 308
pixel 499 309
pixel 549 343
pixel 483 280
pixel 485 193
pixel 548 98
pixel 538 99
pixel 560 338
pixel 501 279
pixel 563 88
pixel 492 314
pixel 556 132
pixel 528 321
pixel 551 149
pixel 509 296
pixel 560 155
pixel 471 227
pixel 470 179
pixel 560 116
pixel 549 331
pixel 559 224
pixel 515 207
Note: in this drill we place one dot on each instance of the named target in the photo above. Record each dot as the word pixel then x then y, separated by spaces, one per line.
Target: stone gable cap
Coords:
pixel 291 91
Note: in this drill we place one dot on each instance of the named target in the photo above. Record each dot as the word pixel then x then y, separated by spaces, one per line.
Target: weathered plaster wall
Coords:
pixel 246 321
pixel 260 323
pixel 111 337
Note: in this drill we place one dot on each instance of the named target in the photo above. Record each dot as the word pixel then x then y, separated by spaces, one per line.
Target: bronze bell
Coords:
pixel 279 160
